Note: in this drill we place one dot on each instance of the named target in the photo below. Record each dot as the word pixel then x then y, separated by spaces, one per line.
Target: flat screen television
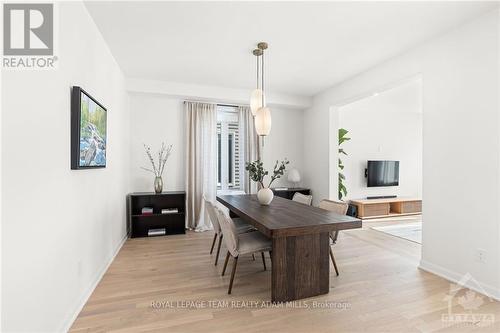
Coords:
pixel 383 173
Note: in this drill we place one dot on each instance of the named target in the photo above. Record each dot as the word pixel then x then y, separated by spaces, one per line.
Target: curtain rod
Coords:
pixel 219 104
pixel 230 105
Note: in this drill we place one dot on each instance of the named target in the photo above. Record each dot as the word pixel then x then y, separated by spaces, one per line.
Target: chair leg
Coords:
pixel 232 275
pixel 253 256
pixel 263 261
pixel 225 263
pixel 218 250
pixel 213 244
pixel 271 255
pixel 333 261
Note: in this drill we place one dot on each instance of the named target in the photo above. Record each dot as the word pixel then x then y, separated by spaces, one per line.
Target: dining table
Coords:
pixel 300 236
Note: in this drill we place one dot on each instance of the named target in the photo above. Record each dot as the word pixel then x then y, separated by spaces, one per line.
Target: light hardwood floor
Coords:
pixel 380 289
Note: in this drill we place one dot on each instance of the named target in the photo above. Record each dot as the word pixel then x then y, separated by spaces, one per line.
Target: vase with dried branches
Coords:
pixel 157 168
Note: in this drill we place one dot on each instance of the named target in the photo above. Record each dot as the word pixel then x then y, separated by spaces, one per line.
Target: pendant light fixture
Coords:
pixel 263 115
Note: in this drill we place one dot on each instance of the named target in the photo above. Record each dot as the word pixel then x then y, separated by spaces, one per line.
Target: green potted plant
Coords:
pixel 257 173
pixel 342 138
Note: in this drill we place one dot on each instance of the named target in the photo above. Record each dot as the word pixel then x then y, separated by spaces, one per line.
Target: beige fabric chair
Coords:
pixel 339 208
pixel 241 227
pixel 238 244
pixel 303 199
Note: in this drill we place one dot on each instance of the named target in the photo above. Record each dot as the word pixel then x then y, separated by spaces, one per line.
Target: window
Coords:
pixel 230 158
pixel 228 148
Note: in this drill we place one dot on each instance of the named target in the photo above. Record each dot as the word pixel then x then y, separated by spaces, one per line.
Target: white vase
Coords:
pixel 265 196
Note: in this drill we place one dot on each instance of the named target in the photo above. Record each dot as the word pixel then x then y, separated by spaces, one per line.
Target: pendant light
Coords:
pixel 263 115
pixel 257 94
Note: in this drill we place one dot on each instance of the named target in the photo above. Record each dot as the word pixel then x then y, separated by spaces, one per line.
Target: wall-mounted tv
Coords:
pixel 88 131
pixel 383 173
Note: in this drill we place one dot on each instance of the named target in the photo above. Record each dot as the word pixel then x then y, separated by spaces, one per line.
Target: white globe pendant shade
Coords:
pixel 263 121
pixel 256 101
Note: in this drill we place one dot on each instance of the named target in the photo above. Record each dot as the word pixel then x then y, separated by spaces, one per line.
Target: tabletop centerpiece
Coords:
pixel 257 173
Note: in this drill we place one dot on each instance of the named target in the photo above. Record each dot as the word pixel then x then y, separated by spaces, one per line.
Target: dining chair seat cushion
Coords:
pixel 252 242
pixel 302 198
pixel 241 226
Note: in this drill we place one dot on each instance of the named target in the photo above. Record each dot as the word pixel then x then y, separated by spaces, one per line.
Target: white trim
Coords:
pixel 223 158
pixel 66 325
pixel 231 147
pixel 1 191
pixel 456 277
pixel 227 116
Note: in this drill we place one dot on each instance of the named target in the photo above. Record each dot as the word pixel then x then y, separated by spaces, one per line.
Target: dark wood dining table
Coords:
pixel 300 242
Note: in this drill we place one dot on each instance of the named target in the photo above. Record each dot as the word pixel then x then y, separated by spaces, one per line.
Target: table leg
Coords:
pixel 300 267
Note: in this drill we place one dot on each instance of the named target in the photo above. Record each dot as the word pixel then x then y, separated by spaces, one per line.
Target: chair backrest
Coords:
pixel 334 206
pixel 213 215
pixel 229 233
pixel 303 199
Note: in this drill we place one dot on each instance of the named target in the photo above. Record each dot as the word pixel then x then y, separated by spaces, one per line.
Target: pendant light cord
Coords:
pixel 262 87
pixel 257 58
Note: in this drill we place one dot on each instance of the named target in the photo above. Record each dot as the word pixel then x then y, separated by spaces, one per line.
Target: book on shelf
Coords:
pixel 147 211
pixel 169 210
pixel 281 188
pixel 156 232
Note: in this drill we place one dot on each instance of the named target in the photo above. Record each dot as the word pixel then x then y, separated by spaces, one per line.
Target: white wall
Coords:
pixel 460 148
pixel 156 118
pixel 386 126
pixel 61 227
pixel 285 141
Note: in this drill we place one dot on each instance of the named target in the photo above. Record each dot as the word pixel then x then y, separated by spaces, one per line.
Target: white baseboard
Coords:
pixel 81 302
pixel 455 277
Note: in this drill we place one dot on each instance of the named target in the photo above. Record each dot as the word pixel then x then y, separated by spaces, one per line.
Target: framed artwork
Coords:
pixel 88 131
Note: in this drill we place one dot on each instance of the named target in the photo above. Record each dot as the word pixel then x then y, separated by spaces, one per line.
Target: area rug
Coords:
pixel 409 231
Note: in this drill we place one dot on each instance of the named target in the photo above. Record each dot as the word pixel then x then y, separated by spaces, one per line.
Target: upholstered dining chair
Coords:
pixel 303 199
pixel 238 244
pixel 241 227
pixel 339 208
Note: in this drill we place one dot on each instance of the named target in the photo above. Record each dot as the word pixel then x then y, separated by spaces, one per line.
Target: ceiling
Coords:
pixel 402 98
pixel 312 45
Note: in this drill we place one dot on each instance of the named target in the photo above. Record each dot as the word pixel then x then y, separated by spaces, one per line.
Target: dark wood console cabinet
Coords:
pixel 290 191
pixel 139 224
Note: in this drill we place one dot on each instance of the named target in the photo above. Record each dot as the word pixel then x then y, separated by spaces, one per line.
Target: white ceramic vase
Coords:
pixel 265 196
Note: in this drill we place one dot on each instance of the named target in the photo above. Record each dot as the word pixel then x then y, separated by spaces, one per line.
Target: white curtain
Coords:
pixel 201 162
pixel 249 147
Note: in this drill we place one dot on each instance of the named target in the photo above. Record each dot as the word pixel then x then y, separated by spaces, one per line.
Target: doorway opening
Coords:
pixel 380 155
